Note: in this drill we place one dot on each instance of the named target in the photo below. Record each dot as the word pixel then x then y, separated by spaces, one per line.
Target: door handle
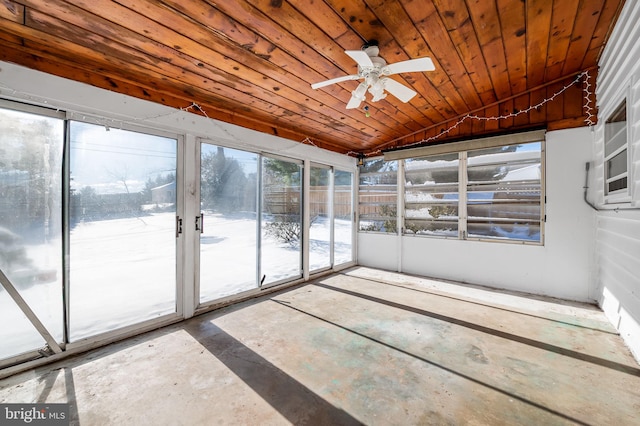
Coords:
pixel 178 226
pixel 200 223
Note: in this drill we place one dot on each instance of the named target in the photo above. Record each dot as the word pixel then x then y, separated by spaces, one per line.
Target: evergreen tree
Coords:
pixel 223 182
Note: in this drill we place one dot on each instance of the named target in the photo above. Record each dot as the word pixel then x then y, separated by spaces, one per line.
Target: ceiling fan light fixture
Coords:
pixel 360 91
pixel 377 91
pixel 357 96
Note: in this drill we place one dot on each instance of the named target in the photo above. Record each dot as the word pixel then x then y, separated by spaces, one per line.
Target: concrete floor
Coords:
pixel 363 346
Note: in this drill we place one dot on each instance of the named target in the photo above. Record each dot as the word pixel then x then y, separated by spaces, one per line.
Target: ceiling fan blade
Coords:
pixel 412 65
pixel 361 57
pixel 335 80
pixel 398 90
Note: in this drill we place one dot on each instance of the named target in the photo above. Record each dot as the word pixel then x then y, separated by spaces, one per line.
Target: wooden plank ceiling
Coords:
pixel 251 62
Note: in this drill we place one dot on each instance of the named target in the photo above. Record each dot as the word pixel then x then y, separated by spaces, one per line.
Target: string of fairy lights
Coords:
pixel 588 109
pixel 195 107
pixel 109 123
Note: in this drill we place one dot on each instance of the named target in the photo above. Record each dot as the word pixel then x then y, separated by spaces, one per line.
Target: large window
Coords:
pixel 491 193
pixel 615 153
pixel 378 196
pixel 504 192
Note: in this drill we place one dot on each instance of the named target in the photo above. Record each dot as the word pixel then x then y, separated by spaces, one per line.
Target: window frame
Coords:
pixel 621 195
pixel 438 223
pixel 391 219
pixel 462 149
pixel 542 198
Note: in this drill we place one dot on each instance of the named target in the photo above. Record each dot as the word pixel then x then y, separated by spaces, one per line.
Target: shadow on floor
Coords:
pixel 477 327
pixel 297 403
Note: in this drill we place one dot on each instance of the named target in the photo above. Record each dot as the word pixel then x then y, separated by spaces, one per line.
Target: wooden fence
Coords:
pixel 286 200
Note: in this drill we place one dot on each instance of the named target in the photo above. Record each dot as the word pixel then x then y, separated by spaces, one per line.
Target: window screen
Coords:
pixel 431 195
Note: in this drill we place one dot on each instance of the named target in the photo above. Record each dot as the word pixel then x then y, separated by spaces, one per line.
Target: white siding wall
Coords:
pixel 560 268
pixel 617 239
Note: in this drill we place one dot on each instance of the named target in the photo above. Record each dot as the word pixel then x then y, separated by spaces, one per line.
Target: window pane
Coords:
pixel 228 241
pixel 617 184
pixel 320 229
pixel 617 165
pixel 431 195
pixel 378 196
pixel 281 256
pixel 615 130
pixel 616 137
pixel 615 152
pixel 504 192
pixel 343 217
pixel 30 227
pixel 122 218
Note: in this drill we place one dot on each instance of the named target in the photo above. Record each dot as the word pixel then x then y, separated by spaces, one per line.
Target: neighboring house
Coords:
pixel 164 193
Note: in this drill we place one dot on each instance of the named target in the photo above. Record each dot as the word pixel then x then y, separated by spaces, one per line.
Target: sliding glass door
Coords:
pixel 94 241
pixel 30 228
pixel 281 220
pixel 250 224
pixel 330 217
pixel 320 218
pixel 343 219
pixel 122 219
pixel 228 221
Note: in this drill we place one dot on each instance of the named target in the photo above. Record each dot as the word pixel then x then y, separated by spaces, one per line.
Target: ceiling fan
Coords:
pixel 374 70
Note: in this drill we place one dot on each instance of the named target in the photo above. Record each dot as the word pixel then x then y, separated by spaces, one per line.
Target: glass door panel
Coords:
pixel 320 219
pixel 30 227
pixel 281 225
pixel 343 217
pixel 122 228
pixel 228 199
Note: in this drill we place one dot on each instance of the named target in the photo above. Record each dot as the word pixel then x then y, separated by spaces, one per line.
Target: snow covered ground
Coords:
pixel 123 271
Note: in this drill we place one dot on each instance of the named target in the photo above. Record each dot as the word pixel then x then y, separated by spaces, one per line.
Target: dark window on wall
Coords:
pixel 615 153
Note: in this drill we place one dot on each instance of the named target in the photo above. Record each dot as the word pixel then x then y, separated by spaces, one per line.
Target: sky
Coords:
pixel 104 159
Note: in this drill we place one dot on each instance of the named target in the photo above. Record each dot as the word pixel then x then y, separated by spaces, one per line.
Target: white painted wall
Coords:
pixel 378 251
pixel 617 238
pixel 560 268
pixel 103 107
